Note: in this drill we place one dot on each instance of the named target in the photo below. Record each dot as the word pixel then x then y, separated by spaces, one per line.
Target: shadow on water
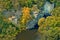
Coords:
pixel 27 35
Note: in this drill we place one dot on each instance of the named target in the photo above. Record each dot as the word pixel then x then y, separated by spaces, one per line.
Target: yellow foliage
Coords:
pixel 41 20
pixel 26 15
pixel 50 25
pixel 26 11
pixel 56 12
pixel 50 21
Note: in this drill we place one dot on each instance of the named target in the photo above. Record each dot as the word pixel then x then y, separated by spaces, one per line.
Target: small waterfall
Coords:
pixel 47 8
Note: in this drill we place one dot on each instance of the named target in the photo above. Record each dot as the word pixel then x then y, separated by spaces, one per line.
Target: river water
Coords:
pixel 28 35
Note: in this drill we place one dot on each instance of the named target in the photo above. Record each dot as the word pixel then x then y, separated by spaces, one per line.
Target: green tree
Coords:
pixel 49 28
pixel 56 12
pixel 8 31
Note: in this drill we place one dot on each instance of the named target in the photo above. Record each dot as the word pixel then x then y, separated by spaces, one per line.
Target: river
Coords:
pixel 28 35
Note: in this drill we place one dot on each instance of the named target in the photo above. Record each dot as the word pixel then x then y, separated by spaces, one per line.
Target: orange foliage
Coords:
pixel 26 15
